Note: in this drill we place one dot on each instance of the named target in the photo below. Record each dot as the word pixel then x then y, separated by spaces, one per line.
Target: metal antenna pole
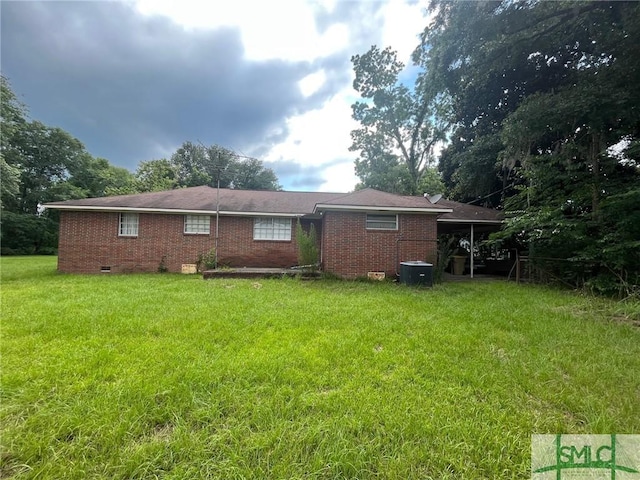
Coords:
pixel 217 213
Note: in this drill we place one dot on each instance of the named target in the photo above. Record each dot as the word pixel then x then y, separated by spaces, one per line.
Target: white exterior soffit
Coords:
pixel 358 208
pixel 176 211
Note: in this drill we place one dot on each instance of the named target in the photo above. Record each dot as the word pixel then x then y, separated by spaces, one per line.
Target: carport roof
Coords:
pixel 465 213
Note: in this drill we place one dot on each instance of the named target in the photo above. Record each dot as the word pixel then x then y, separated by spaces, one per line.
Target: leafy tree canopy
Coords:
pixel 41 164
pixel 196 164
pixel 398 131
pixel 488 57
pixel 544 102
pixel 156 176
pixel 12 118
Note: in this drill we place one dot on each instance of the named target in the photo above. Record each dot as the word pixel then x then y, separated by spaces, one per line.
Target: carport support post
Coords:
pixel 471 260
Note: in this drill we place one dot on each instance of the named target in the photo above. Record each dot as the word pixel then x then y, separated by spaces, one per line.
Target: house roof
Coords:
pixel 465 213
pixel 205 199
pixel 370 199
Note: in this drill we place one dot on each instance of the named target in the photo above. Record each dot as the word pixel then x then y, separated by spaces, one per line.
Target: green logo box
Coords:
pixel 592 457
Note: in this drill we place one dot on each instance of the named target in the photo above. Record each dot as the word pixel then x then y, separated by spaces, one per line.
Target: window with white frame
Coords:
pixel 272 228
pixel 382 222
pixel 198 224
pixel 128 225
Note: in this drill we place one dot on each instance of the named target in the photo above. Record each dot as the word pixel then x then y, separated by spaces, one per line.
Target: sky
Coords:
pixel 134 79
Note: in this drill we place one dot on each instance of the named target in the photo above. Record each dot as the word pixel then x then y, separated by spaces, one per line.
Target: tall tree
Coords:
pixel 12 118
pixel 200 165
pixel 96 177
pixel 399 133
pixel 542 94
pixel 192 164
pixel 9 182
pixel 250 174
pixel 487 57
pixel 45 157
pixel 13 113
pixel 156 176
pixel 39 164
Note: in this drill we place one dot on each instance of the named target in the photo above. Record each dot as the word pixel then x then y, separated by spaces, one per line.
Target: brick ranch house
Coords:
pixel 360 232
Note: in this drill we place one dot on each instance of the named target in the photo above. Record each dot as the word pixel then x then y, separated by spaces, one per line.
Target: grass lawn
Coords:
pixel 171 376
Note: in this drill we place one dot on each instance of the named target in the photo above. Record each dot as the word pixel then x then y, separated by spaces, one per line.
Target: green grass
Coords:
pixel 170 376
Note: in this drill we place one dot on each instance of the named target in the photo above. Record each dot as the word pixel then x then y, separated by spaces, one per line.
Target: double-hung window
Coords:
pixel 382 222
pixel 272 228
pixel 197 224
pixel 128 225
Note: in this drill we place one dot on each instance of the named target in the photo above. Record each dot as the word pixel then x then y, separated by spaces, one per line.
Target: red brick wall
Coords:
pixel 89 241
pixel 237 248
pixel 350 250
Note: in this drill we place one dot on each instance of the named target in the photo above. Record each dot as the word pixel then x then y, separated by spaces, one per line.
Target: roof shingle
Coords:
pixel 205 199
pixel 370 197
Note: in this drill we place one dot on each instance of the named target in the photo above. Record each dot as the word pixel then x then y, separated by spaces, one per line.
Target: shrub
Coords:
pixel 308 254
pixel 446 248
pixel 207 260
pixel 162 267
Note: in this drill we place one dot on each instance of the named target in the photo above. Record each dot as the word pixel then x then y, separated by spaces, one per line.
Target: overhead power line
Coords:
pixel 490 194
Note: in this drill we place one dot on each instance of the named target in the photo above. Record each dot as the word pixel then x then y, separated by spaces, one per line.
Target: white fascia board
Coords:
pixel 453 220
pixel 176 211
pixel 357 208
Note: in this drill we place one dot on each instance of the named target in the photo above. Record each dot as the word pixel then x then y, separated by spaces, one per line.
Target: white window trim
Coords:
pixel 394 229
pixel 287 230
pixel 124 232
pixel 188 222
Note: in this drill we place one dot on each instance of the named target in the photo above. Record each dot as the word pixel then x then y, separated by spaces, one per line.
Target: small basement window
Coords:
pixel 382 222
pixel 105 269
pixel 128 225
pixel 198 224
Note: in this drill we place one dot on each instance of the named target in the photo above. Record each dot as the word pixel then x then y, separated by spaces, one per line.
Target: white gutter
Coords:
pixel 358 208
pixel 453 220
pixel 180 211
pixel 177 211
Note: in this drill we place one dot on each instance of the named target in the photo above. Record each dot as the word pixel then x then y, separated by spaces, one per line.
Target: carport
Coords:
pixel 469 221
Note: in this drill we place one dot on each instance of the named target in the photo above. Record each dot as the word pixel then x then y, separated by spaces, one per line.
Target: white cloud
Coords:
pixel 322 137
pixel 312 83
pixel 403 23
pixel 340 177
pixel 286 30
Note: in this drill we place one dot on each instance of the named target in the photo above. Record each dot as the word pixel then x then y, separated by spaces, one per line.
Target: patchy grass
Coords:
pixel 170 376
